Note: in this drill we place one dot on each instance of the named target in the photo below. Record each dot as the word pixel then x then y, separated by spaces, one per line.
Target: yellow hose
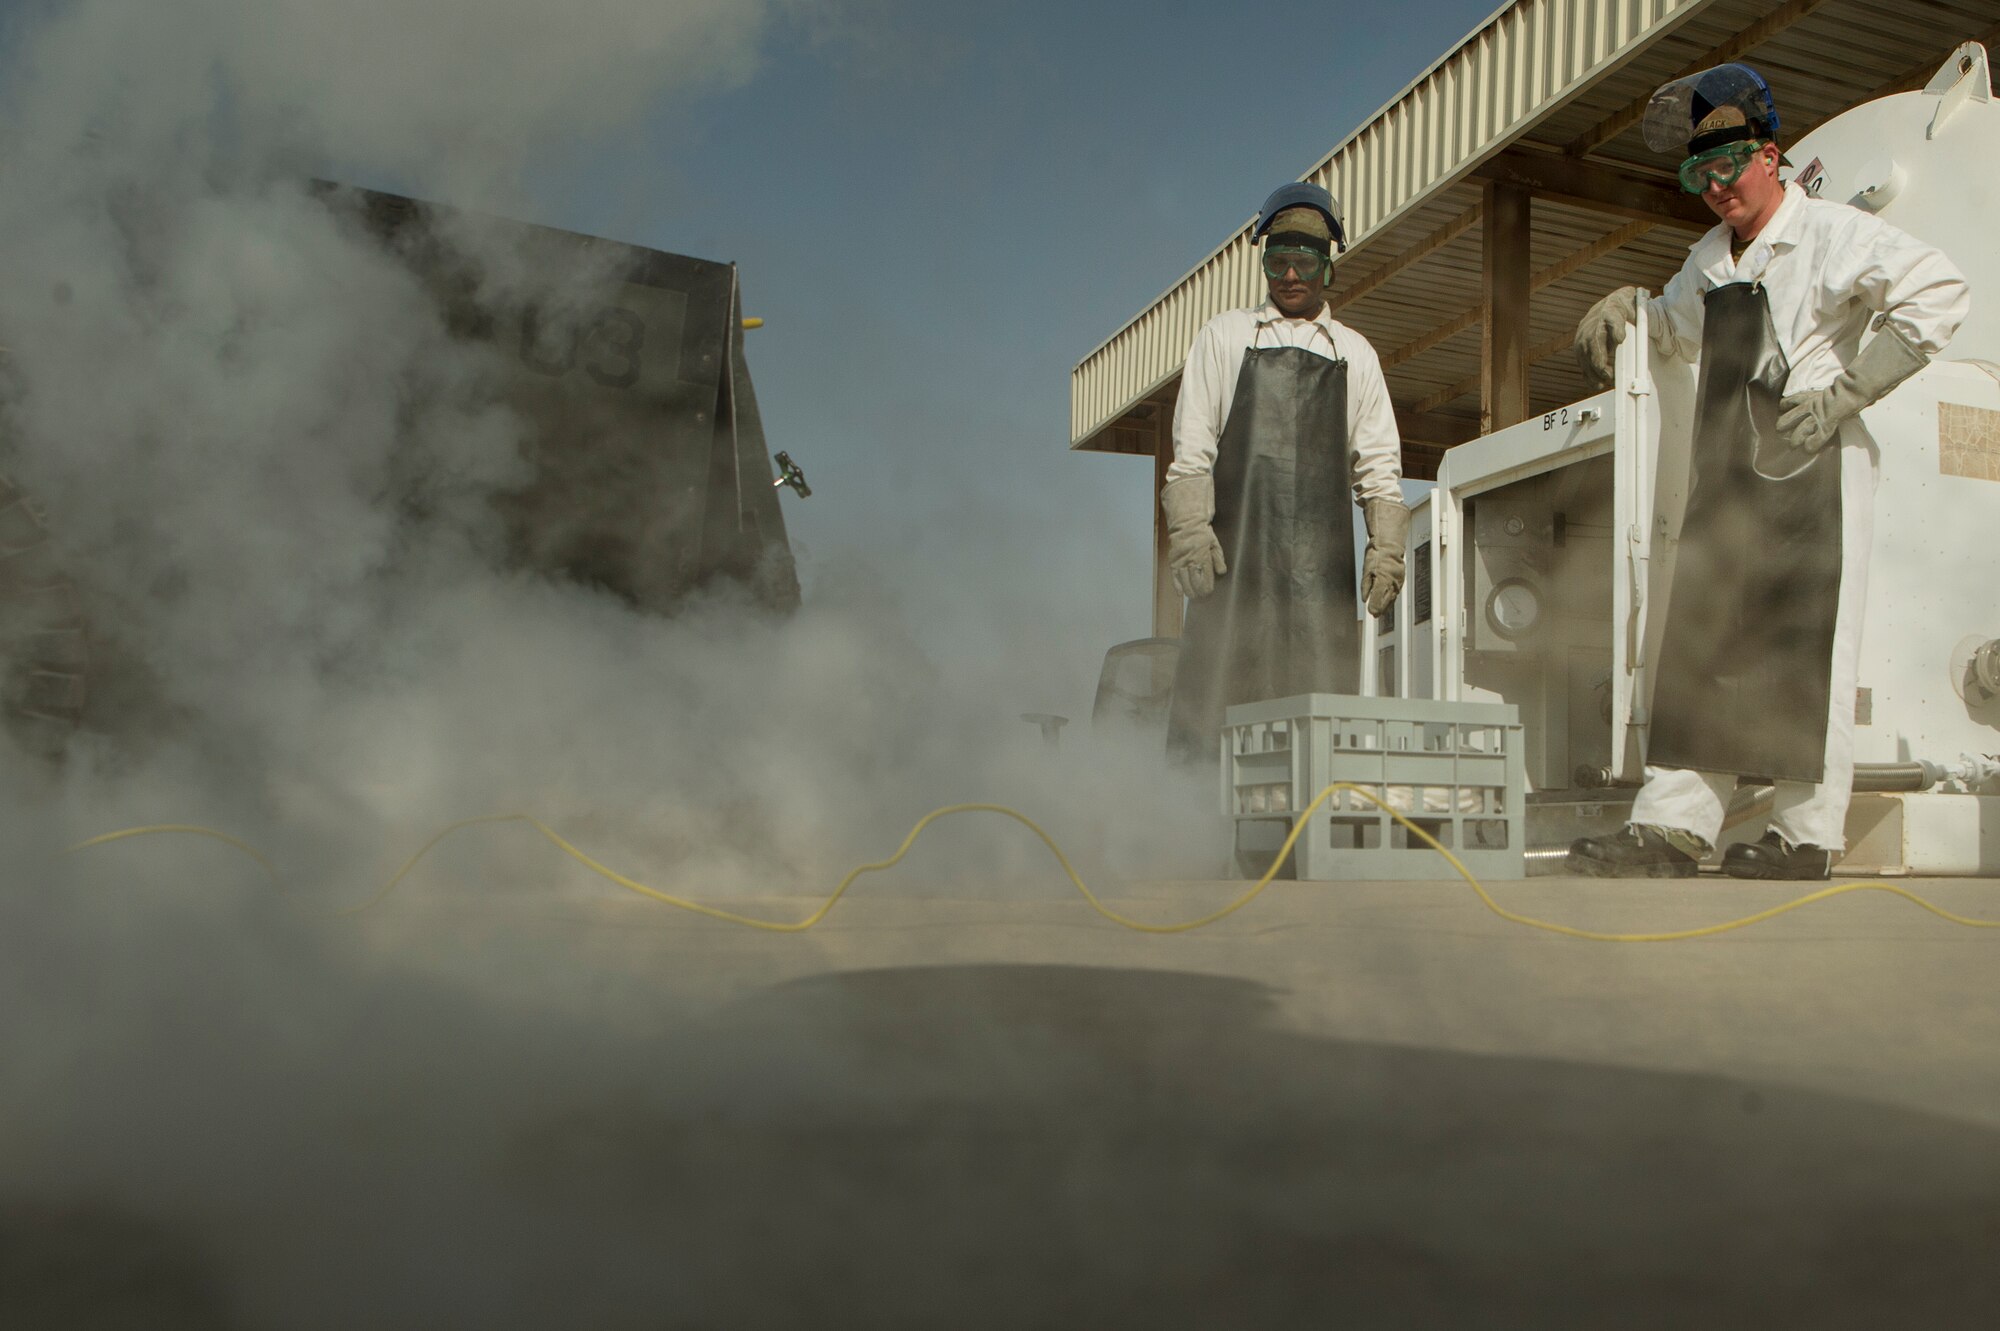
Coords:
pixel 160 829
pixel 1298 826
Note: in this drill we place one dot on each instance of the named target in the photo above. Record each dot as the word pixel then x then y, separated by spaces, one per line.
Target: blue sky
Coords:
pixel 940 209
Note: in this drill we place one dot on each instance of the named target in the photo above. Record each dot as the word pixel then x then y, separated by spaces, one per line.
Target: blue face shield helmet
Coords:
pixel 1302 195
pixel 1726 104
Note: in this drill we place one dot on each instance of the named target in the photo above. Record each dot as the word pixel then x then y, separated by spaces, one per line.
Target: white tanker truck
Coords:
pixel 1541 561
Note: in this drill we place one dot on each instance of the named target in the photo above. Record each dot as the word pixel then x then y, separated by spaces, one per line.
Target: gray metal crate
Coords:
pixel 1454 769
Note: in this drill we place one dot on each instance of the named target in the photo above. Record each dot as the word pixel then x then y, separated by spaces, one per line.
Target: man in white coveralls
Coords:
pixel 1756 675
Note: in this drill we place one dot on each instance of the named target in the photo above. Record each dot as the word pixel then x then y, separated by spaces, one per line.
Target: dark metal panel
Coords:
pixel 624 365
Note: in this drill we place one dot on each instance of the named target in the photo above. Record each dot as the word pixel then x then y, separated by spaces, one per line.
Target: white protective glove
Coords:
pixel 1809 421
pixel 1601 330
pixel 1192 550
pixel 1382 563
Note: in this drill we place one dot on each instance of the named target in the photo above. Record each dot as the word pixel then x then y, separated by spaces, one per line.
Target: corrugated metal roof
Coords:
pixel 1545 92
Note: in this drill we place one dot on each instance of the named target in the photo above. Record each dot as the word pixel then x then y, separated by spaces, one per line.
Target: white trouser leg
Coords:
pixel 1816 815
pixel 1681 800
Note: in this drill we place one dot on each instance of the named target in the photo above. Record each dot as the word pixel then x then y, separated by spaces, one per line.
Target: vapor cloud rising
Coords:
pixel 211 386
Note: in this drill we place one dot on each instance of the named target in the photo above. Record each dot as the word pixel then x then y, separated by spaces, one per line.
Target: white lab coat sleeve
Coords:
pixel 1375 449
pixel 1198 409
pixel 1912 285
pixel 1673 318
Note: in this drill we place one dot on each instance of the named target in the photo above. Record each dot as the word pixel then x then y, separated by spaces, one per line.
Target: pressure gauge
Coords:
pixel 1514 608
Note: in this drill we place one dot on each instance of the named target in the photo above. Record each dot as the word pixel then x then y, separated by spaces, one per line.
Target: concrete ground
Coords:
pixel 1351 1104
pixel 1365 1104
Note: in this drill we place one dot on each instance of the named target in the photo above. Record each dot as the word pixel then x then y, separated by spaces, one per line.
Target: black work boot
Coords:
pixel 1631 852
pixel 1770 857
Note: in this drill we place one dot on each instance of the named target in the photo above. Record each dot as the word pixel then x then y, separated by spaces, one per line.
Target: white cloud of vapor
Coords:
pixel 217 391
pixel 485 84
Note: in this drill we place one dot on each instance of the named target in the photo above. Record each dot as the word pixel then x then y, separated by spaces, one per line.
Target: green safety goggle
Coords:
pixel 1282 259
pixel 1724 165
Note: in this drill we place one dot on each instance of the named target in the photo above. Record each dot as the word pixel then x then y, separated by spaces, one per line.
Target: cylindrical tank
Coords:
pixel 1925 161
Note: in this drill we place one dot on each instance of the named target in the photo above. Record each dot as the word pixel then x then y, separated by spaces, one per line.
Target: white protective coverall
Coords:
pixel 1827 270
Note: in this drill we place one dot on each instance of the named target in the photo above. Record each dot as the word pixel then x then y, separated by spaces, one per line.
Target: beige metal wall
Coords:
pixel 1501 80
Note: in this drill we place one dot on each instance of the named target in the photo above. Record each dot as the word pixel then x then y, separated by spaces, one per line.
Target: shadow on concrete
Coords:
pixel 1009 1146
pixel 1055 1146
pixel 80 1268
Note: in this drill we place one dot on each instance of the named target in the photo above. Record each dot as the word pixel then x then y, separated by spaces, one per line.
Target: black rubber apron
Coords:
pixel 1746 665
pixel 1283 620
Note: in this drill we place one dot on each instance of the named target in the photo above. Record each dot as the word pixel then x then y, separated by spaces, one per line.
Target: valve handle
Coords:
pixel 789 474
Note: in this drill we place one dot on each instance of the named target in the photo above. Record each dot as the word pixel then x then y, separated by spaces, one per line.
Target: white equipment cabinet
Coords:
pixel 1541 562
